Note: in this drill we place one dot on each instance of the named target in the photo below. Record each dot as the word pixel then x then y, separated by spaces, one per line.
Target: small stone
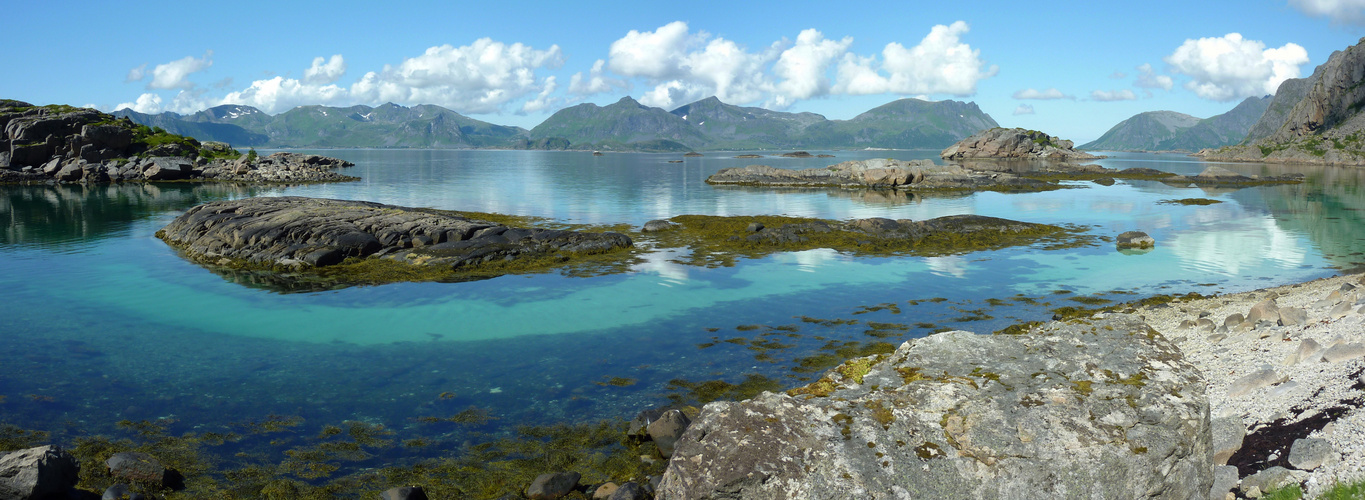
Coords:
pixel 604 491
pixel 639 426
pixel 1255 380
pixel 404 493
pixel 1224 480
pixel 1228 433
pixel 1293 316
pixel 629 491
pixel 667 429
pixel 1308 350
pixel 1216 338
pixel 1281 390
pixel 1205 324
pixel 553 486
pixel 1266 480
pixel 1134 239
pixel 1310 453
pixel 754 227
pixel 1234 319
pixel 1253 492
pixel 1187 324
pixel 1343 352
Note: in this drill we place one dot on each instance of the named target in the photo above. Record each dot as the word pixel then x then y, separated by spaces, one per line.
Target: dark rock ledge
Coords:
pixel 301 233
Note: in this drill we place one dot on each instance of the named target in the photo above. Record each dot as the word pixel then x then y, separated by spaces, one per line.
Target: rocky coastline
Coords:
pixel 878 174
pixel 62 144
pixel 1014 143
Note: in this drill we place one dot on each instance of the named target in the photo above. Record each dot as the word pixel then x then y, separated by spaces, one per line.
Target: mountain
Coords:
pixel 625 125
pixel 1315 121
pixel 1172 131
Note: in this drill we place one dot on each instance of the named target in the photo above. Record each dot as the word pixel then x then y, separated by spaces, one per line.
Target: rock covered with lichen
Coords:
pixel 302 232
pixel 1014 143
pixel 1101 409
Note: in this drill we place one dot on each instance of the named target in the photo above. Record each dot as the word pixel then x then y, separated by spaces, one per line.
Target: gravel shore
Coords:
pixel 1289 363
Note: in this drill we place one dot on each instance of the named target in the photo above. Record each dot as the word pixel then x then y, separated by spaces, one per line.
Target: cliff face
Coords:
pixel 1335 96
pixel 1289 94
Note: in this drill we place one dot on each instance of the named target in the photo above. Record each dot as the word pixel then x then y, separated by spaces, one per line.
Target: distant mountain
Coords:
pixel 1172 131
pixel 626 125
pixel 1290 93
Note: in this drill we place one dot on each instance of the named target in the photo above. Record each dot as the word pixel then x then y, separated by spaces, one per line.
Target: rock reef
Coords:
pixel 79 145
pixel 296 232
pixel 1014 143
pixel 1102 409
pixel 878 173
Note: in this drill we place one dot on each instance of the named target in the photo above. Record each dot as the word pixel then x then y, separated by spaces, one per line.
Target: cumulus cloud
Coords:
pixel 940 64
pixel 478 78
pixel 1023 109
pixel 1339 11
pixel 1113 95
pixel 804 68
pixel 683 66
pixel 325 71
pixel 1230 67
pixel 1148 79
pixel 282 94
pixel 175 74
pixel 654 54
pixel 136 74
pixel 595 83
pixel 1041 95
pixel 146 103
pixel 542 101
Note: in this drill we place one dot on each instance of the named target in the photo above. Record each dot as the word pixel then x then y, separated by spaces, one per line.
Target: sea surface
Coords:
pixel 101 322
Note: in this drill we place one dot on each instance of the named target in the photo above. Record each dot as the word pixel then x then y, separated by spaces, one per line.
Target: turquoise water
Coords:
pixel 100 321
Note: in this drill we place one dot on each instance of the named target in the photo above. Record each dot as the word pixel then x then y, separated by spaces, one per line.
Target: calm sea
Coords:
pixel 101 322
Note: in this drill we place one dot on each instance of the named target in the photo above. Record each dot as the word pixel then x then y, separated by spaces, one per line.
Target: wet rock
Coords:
pixel 667 429
pixel 553 486
pixel 604 491
pixel 639 426
pixel 1104 181
pixel 1342 352
pixel 629 491
pixel 37 473
pixel 1255 380
pixel 1268 479
pixel 655 226
pixel 143 469
pixel 960 415
pixel 308 232
pixel 1134 239
pixel 121 492
pixel 404 493
pixel 754 227
pixel 1224 480
pixel 1311 453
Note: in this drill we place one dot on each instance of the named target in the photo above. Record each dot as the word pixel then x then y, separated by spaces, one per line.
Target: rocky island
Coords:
pixel 294 233
pixel 68 144
pixel 1014 143
pixel 878 173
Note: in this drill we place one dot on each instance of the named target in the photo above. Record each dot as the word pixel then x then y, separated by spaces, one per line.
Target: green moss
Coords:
pixel 1294 492
pixel 1082 386
pixel 1090 301
pixel 698 393
pixel 881 414
pixel 617 382
pixel 928 451
pixel 1019 328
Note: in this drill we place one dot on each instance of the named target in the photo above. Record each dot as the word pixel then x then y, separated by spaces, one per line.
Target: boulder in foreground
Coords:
pixel 1102 410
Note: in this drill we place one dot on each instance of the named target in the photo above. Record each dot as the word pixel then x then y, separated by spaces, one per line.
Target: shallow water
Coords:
pixel 100 321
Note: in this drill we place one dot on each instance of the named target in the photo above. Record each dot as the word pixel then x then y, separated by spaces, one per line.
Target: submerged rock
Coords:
pixel 300 232
pixel 1103 410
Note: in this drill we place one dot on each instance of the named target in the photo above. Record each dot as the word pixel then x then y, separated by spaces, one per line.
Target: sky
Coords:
pixel 1071 69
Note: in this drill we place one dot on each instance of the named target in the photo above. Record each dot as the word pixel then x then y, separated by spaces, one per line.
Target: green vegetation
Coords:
pixel 1189 201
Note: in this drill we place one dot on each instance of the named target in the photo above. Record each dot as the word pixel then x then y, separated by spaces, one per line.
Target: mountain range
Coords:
pixel 1172 131
pixel 626 125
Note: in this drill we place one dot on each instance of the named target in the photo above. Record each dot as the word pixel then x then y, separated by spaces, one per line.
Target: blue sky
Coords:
pixel 1072 69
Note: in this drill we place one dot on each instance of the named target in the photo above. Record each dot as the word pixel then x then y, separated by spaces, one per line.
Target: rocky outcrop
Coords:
pixel 1108 409
pixel 299 232
pixel 65 144
pixel 878 173
pixel 1014 143
pixel 37 473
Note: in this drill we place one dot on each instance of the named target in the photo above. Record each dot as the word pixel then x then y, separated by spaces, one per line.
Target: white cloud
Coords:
pixel 175 74
pixel 654 54
pixel 595 83
pixel 479 78
pixel 282 94
pixel 1340 11
pixel 1230 67
pixel 1042 95
pixel 136 74
pixel 1113 95
pixel 1118 75
pixel 1023 109
pixel 1148 79
pixel 940 64
pixel 325 71
pixel 804 68
pixel 146 103
pixel 543 100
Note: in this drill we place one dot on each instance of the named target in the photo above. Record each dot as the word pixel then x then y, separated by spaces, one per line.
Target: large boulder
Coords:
pixel 37 473
pixel 1102 409
pixel 1014 143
